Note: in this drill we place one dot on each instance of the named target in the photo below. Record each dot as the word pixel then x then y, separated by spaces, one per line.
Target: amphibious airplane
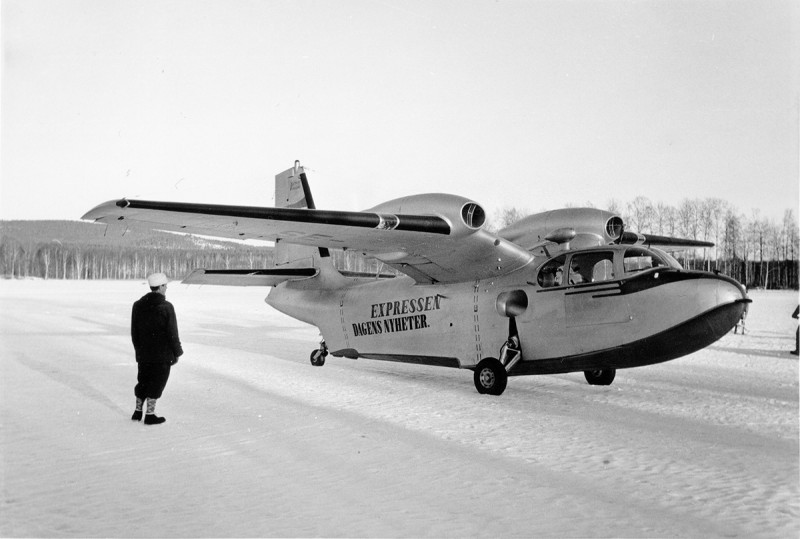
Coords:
pixel 567 290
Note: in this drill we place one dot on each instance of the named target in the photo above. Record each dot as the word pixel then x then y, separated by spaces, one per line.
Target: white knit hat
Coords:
pixel 156 279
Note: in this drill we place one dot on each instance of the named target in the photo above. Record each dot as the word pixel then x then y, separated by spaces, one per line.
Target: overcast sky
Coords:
pixel 533 104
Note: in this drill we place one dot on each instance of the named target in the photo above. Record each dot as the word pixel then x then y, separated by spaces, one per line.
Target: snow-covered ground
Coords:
pixel 260 443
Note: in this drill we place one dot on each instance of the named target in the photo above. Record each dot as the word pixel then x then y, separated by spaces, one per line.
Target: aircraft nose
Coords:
pixel 730 291
pixel 730 304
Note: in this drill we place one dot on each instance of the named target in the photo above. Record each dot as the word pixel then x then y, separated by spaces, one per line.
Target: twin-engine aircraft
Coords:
pixel 562 291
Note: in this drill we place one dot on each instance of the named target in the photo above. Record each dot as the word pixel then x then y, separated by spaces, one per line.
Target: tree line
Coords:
pixel 78 250
pixel 64 259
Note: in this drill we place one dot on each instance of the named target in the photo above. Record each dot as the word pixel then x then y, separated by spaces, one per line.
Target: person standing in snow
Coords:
pixel 796 333
pixel 154 331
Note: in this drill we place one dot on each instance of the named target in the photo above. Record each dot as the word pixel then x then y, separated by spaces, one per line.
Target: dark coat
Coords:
pixel 154 330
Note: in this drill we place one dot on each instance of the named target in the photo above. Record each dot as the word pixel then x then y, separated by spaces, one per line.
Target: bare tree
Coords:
pixel 688 222
pixel 709 211
pixel 505 217
pixel 663 219
pixel 640 214
pixel 790 249
pixel 614 206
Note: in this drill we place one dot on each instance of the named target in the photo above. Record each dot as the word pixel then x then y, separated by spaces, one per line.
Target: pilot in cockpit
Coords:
pixel 551 276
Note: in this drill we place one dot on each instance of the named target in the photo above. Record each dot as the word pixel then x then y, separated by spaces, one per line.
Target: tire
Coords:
pixel 318 358
pixel 600 377
pixel 490 377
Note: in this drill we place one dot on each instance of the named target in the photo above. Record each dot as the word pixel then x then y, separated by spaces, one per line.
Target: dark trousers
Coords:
pixel 151 380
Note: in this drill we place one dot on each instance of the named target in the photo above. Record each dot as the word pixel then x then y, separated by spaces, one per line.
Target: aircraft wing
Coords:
pixel 429 247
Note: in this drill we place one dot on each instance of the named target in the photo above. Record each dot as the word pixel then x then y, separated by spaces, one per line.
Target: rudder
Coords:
pixel 292 191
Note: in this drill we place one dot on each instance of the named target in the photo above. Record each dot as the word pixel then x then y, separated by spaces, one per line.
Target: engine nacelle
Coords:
pixel 462 214
pixel 580 227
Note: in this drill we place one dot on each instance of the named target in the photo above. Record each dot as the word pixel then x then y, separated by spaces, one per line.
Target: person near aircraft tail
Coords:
pixel 154 331
pixel 796 350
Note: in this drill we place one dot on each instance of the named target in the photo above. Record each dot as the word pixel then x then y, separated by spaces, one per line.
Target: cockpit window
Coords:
pixel 637 259
pixel 667 258
pixel 591 267
pixel 552 272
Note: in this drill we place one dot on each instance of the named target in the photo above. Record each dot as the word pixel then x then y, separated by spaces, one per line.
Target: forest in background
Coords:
pixel 83 250
pixel 753 250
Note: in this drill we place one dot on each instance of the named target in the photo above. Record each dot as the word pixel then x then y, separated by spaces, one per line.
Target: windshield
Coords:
pixel 552 273
pixel 638 259
pixel 671 261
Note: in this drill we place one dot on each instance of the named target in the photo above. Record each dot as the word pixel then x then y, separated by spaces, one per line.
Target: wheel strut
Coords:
pixel 511 352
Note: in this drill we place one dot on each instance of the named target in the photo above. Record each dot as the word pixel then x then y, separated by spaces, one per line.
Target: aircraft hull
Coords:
pixel 652 317
pixel 678 341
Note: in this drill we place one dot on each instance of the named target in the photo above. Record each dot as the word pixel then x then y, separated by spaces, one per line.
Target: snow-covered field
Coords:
pixel 260 443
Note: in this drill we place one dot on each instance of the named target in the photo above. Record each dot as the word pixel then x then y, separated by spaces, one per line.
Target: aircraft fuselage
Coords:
pixel 643 317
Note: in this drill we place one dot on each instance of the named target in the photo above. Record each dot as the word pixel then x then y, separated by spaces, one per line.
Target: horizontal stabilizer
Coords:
pixel 249 277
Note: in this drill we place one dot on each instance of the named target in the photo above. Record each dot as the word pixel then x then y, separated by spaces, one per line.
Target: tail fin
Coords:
pixel 292 191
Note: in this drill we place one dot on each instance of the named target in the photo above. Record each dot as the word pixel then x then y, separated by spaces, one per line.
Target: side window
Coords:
pixel 603 270
pixel 552 272
pixel 637 259
pixel 575 267
pixel 591 267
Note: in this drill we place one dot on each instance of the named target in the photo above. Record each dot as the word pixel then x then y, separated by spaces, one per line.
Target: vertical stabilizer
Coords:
pixel 292 191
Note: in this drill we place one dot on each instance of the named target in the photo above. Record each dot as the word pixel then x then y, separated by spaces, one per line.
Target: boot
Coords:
pixel 137 415
pixel 151 418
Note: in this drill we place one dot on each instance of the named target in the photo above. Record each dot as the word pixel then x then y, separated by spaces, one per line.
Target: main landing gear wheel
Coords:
pixel 318 357
pixel 490 377
pixel 600 377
